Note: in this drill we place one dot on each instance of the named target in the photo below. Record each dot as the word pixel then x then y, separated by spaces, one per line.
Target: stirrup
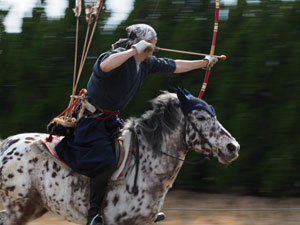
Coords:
pixel 94 222
pixel 160 217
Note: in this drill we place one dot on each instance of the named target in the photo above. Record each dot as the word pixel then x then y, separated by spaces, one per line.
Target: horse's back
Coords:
pixel 20 142
pixel 17 160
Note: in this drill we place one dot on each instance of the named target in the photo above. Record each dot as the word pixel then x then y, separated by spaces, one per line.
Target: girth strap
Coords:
pixel 136 154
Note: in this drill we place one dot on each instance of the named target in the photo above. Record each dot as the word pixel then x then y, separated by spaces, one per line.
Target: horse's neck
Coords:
pixel 161 166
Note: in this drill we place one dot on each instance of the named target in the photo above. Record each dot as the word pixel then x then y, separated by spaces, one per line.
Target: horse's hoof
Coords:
pixel 160 217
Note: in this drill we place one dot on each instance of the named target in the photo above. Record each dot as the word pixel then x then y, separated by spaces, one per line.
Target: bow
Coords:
pixel 212 48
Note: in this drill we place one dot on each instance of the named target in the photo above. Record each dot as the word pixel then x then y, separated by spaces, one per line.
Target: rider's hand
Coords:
pixel 211 61
pixel 142 45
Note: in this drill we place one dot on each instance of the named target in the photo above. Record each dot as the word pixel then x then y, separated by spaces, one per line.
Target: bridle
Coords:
pixel 188 147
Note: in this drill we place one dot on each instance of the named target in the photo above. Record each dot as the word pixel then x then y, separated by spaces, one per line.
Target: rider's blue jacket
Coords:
pixel 115 89
pixel 90 151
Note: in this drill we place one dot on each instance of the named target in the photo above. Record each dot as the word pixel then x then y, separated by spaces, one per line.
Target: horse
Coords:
pixel 33 184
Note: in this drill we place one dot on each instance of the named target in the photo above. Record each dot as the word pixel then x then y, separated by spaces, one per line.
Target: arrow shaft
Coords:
pixel 187 52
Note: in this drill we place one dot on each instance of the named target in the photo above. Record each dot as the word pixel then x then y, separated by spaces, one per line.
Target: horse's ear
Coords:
pixel 187 92
pixel 183 99
pixel 181 95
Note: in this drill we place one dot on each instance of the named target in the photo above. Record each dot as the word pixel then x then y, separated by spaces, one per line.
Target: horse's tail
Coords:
pixel 3 217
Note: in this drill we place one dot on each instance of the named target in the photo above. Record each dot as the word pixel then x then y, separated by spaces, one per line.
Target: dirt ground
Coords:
pixel 217 209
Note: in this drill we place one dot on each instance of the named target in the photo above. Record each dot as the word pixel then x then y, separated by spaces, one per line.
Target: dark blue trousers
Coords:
pixel 90 151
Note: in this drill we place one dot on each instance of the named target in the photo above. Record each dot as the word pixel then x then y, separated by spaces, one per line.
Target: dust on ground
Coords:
pixel 238 210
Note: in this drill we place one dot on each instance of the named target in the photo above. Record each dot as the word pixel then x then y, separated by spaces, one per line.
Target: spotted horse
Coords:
pixel 33 183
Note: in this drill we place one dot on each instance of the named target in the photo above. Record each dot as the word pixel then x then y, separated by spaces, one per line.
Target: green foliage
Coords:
pixel 255 92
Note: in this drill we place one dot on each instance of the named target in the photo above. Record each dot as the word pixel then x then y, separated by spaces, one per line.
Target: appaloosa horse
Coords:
pixel 32 184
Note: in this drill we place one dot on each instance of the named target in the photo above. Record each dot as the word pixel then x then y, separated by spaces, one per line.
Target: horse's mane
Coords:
pixel 161 120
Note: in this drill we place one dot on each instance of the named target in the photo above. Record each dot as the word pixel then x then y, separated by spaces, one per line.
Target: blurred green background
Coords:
pixel 256 92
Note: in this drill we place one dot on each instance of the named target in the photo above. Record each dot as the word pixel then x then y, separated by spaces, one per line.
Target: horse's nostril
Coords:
pixel 231 147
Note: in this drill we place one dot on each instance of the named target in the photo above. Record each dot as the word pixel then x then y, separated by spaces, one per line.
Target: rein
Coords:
pixel 187 161
pixel 136 154
pixel 92 17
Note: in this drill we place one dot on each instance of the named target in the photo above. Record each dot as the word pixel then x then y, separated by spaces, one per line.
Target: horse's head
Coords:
pixel 203 132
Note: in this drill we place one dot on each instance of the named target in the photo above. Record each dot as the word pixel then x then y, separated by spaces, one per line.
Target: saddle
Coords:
pixel 122 147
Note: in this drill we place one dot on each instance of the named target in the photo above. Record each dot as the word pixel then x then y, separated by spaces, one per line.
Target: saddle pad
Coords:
pixel 48 148
pixel 50 145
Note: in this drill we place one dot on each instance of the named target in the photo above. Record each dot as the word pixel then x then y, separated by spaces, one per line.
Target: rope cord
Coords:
pixel 91 12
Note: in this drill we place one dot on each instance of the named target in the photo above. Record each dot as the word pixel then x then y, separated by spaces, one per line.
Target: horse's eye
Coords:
pixel 201 118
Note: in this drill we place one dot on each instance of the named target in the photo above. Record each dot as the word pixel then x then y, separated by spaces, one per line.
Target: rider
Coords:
pixel 117 76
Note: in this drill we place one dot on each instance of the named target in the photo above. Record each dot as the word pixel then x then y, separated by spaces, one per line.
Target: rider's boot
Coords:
pixel 160 217
pixel 98 186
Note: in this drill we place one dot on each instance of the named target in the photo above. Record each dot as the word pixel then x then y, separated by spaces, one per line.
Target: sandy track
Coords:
pixel 182 199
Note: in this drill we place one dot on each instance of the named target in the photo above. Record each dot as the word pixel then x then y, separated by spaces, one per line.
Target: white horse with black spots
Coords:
pixel 33 183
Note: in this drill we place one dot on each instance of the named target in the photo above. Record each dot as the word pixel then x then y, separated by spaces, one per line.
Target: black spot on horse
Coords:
pixel 35 160
pixel 46 165
pixel 29 138
pixel 56 167
pixel 11 142
pixel 120 216
pixel 54 174
pixel 11 188
pixel 20 170
pixel 10 175
pixel 116 199
pixel 12 151
pixel 137 210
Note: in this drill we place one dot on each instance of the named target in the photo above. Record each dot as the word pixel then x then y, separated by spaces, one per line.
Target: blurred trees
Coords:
pixel 256 92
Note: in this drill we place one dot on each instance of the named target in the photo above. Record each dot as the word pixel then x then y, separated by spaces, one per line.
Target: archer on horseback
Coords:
pixel 117 76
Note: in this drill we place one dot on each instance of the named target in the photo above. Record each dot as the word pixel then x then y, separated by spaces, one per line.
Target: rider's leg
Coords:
pixel 98 187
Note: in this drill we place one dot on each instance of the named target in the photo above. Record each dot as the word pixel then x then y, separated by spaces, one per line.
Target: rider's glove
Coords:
pixel 211 61
pixel 142 45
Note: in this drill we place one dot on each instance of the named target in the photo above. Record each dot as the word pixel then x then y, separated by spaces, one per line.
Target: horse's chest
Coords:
pixel 126 208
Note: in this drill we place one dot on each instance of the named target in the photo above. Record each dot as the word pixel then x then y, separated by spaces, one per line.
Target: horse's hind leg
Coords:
pixel 21 212
pixel 3 217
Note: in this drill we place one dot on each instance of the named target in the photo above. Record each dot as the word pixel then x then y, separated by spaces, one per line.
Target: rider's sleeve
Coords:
pixel 97 70
pixel 161 65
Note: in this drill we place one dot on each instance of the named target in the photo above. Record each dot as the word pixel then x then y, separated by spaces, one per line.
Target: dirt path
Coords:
pixel 182 199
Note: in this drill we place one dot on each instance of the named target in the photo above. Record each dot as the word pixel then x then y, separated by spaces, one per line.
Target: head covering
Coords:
pixel 136 33
pixel 188 103
pixel 141 32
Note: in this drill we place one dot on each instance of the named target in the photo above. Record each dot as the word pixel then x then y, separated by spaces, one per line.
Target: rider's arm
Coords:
pixel 188 65
pixel 115 60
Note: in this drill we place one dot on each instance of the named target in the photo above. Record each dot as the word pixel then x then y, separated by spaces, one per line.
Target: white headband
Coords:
pixel 141 31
